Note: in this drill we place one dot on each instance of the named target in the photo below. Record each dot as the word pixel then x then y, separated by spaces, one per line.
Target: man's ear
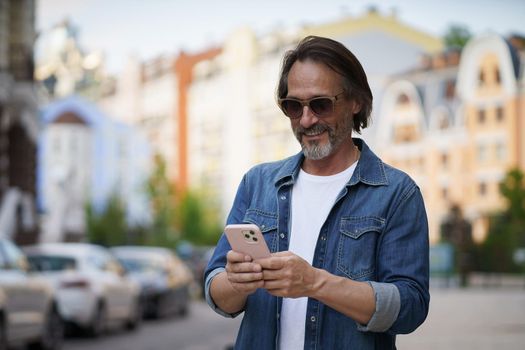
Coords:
pixel 356 108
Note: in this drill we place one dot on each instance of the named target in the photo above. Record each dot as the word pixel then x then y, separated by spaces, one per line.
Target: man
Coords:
pixel 348 233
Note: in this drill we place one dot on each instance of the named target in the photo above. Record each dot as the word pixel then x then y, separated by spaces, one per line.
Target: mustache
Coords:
pixel 313 130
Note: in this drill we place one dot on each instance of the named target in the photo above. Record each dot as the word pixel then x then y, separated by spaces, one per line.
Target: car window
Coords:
pixel 52 263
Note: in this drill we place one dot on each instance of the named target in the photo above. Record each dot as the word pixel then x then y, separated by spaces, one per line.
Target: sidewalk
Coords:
pixel 469 319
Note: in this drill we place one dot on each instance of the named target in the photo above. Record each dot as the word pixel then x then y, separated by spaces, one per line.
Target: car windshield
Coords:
pixel 141 265
pixel 52 263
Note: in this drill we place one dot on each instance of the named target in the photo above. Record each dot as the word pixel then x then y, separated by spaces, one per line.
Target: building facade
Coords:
pixel 456 125
pixel 85 157
pixel 18 122
pixel 233 116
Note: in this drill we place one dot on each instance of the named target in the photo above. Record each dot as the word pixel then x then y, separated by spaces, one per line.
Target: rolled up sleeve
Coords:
pixel 388 303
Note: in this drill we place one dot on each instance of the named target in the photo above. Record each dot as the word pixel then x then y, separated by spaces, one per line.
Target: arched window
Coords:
pixel 403 99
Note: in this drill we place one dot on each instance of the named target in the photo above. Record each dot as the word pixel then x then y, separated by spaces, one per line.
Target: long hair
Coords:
pixel 338 58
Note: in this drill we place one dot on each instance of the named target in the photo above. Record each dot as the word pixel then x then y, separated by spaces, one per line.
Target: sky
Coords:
pixel 147 28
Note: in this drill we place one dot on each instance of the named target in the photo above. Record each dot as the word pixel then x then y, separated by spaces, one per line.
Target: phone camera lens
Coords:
pixel 254 239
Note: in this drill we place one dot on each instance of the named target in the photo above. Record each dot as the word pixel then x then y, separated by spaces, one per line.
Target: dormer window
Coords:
pixel 403 99
pixel 498 76
pixel 481 77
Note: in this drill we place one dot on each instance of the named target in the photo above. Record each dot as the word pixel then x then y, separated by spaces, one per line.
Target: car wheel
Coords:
pixel 3 334
pixel 135 317
pixel 53 333
pixel 98 323
pixel 185 303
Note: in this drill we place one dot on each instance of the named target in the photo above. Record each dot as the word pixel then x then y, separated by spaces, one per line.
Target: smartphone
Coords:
pixel 247 239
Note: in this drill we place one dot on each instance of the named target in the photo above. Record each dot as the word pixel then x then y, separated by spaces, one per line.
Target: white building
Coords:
pixel 85 157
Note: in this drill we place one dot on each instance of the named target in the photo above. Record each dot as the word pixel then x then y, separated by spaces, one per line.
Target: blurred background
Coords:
pixel 131 123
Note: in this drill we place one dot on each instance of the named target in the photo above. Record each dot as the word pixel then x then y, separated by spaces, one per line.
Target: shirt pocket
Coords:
pixel 357 246
pixel 267 222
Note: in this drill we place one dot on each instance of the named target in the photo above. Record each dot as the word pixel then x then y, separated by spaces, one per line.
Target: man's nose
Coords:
pixel 308 118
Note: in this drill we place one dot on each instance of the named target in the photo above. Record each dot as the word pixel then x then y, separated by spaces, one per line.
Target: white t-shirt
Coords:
pixel 312 199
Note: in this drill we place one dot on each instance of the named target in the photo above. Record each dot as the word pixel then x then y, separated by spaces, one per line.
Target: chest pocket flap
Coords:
pixel 354 227
pixel 357 246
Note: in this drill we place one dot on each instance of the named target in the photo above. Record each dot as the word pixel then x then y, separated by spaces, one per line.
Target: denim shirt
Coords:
pixel 376 232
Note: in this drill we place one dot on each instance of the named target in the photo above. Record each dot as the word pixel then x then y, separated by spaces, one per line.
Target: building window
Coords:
pixel 444 160
pixel 403 99
pixel 405 133
pixel 481 77
pixel 450 89
pixel 482 188
pixel 500 113
pixel 481 116
pixel 482 153
pixel 498 76
pixel 444 193
pixel 501 151
pixel 443 121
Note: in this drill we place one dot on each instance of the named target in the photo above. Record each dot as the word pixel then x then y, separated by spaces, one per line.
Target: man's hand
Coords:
pixel 244 275
pixel 288 275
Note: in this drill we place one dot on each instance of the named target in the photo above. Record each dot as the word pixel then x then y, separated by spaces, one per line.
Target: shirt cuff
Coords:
pixel 209 299
pixel 388 303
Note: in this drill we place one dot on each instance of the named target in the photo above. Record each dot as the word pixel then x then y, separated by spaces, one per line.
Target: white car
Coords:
pixel 91 287
pixel 164 277
pixel 28 309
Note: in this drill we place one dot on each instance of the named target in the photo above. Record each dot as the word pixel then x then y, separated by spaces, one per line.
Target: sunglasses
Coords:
pixel 322 106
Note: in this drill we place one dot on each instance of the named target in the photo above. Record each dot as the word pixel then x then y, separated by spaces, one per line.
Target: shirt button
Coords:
pixel 281 235
pixel 312 318
pixel 323 238
pixel 283 198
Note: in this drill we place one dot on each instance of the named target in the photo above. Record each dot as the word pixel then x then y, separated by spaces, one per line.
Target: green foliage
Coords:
pixel 507 229
pixel 109 227
pixel 457 36
pixel 163 200
pixel 198 223
pixel 188 216
pixel 179 216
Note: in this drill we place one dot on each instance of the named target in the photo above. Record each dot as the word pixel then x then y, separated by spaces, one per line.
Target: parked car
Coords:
pixel 28 308
pixel 164 278
pixel 196 257
pixel 92 289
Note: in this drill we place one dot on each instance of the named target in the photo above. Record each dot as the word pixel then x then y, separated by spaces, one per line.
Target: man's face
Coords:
pixel 320 137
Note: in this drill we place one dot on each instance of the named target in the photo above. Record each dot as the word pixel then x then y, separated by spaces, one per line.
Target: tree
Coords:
pixel 163 200
pixel 507 228
pixel 187 216
pixel 457 36
pixel 109 227
pixel 198 221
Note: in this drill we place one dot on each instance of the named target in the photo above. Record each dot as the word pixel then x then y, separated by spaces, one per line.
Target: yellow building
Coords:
pixel 456 124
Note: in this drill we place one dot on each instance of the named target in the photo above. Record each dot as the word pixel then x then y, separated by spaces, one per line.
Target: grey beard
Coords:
pixel 336 135
pixel 314 150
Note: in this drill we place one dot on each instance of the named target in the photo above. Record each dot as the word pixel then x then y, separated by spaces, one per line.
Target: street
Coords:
pixel 469 319
pixel 202 329
pixel 458 319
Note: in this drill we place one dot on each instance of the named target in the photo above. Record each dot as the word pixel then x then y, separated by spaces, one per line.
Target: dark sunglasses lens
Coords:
pixel 292 108
pixel 322 106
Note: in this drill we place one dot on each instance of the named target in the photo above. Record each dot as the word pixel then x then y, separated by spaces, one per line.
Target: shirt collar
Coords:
pixel 370 169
